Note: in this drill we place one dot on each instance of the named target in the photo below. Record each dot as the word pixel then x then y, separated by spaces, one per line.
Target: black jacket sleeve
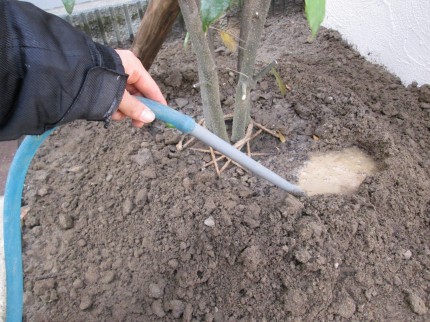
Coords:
pixel 51 73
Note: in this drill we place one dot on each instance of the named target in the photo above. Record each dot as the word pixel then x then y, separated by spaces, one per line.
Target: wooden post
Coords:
pixel 153 29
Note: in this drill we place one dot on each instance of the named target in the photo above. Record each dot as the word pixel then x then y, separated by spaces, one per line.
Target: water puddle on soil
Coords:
pixel 338 172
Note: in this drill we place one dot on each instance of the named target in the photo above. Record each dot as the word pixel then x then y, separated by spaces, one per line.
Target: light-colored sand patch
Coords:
pixel 338 172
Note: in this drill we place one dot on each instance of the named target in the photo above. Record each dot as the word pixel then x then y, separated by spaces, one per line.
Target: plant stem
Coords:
pixel 254 13
pixel 208 76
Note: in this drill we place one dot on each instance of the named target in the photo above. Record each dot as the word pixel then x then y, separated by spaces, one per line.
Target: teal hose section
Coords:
pixel 182 122
pixel 12 225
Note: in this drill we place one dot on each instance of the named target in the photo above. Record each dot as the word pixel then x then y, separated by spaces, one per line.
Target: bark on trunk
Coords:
pixel 254 13
pixel 208 74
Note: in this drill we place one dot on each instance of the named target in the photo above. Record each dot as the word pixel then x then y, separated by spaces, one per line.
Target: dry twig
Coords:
pixel 218 157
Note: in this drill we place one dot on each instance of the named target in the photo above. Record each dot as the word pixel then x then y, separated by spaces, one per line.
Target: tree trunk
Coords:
pixel 208 74
pixel 153 29
pixel 254 13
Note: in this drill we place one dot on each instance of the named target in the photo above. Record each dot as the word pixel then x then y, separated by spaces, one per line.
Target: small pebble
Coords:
pixel 346 307
pixel 127 207
pixel 181 102
pixel 174 79
pixel 173 263
pixel 42 192
pixel 108 277
pixel 65 221
pixel 86 302
pixel 302 255
pixel 43 286
pixel 328 100
pixel 177 308
pixel 188 313
pixel 209 206
pixel 210 222
pixel 250 221
pixel 81 242
pixel 92 275
pixel 155 291
pixel 75 169
pixel 218 316
pixel 417 304
pixel 157 309
pixel 141 196
pixel 171 137
pixel 78 283
pixel 407 254
pixel 24 211
pixel 425 106
pixel 397 280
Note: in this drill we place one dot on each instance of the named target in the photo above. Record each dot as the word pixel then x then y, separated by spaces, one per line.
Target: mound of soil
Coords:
pixel 116 224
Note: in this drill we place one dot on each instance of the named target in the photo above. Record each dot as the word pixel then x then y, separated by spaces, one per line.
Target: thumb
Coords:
pixel 134 109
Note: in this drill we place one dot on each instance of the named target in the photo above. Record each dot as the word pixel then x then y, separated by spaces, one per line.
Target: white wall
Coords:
pixel 393 33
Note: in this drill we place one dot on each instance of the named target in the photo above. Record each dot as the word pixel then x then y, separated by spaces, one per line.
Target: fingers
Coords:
pixel 134 109
pixel 139 82
pixel 118 116
pixel 144 83
pixel 137 123
pixel 139 78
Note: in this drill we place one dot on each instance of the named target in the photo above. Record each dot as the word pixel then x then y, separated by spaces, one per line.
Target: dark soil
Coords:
pixel 116 230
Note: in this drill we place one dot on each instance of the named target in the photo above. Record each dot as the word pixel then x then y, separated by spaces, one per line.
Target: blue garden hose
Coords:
pixel 12 224
pixel 19 168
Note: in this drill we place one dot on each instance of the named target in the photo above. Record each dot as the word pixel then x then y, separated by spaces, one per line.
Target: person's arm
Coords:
pixel 51 74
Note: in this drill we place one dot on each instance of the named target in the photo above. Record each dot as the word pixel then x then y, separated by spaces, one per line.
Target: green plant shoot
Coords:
pixel 315 12
pixel 68 5
pixel 279 81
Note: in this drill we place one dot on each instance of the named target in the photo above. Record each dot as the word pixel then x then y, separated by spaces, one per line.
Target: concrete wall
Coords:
pixel 393 33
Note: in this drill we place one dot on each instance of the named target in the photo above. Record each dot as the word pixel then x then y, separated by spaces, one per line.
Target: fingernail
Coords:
pixel 147 116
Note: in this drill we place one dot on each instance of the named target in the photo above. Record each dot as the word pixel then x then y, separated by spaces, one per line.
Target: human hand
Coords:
pixel 139 82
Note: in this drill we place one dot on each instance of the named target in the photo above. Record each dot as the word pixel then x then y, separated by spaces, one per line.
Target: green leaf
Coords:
pixel 211 10
pixel 170 126
pixel 315 13
pixel 68 5
pixel 279 81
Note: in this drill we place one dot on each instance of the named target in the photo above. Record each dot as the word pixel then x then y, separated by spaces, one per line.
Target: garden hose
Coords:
pixel 19 168
pixel 12 224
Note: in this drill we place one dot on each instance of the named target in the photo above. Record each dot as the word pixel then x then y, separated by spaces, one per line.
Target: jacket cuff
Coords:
pixel 109 58
pixel 101 91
